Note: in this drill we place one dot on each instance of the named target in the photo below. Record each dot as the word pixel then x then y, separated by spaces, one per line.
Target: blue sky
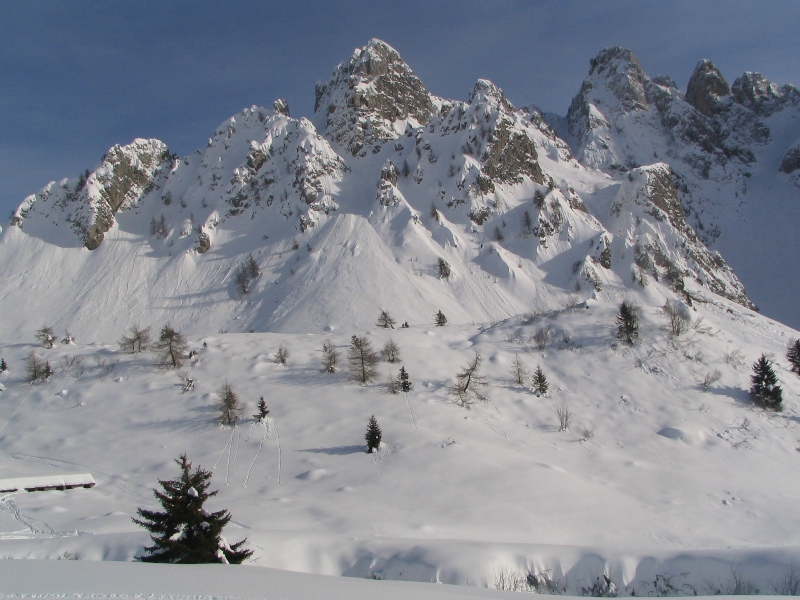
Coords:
pixel 78 77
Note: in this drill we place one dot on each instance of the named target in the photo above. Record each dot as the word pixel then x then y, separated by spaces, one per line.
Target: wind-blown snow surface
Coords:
pixel 674 481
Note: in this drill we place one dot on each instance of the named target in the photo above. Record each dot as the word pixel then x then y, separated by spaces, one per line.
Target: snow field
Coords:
pixel 673 477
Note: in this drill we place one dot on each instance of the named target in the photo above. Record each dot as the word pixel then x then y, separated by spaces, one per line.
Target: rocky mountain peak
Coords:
pixel 763 97
pixel 484 91
pixel 706 87
pixel 623 76
pixel 370 98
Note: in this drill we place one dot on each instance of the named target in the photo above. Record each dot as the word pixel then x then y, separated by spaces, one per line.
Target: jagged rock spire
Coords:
pixel 706 87
pixel 370 98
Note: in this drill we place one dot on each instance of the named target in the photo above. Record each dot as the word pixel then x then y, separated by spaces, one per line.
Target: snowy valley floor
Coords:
pixel 661 485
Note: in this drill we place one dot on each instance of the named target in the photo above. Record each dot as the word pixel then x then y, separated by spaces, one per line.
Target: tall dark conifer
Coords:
pixel 186 533
pixel 765 390
pixel 373 436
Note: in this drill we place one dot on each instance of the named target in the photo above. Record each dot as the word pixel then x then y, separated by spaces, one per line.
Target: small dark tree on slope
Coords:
pixel 403 383
pixel 469 385
pixel 242 280
pixel 440 319
pixel 135 341
pixel 628 322
pixel 444 269
pixel 282 355
pixel 793 355
pixel 45 337
pixel 539 382
pixel 228 404
pixel 171 347
pixel 330 358
pixel 362 360
pixel 519 372
pixel 263 411
pixel 3 365
pixel 765 390
pixel 253 270
pixel 385 320
pixel 390 352
pixel 186 533
pixel 373 435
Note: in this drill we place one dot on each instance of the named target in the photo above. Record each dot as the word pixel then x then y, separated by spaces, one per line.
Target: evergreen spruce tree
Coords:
pixel 440 319
pixel 282 355
pixel 539 381
pixel 263 411
pixel 765 390
pixel 362 360
pixel 444 269
pixel 403 382
pixel 253 270
pixel 793 355
pixel 628 322
pixel 373 436
pixel 186 533
pixel 3 365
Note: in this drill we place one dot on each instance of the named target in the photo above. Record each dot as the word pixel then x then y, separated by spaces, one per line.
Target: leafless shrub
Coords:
pixel 72 365
pixel 790 584
pixel 564 417
pixel 508 580
pixel 541 337
pixel 700 327
pixel 735 358
pixel 740 586
pixel 678 318
pixel 711 378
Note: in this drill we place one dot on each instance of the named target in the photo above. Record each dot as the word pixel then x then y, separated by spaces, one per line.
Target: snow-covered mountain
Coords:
pixel 358 209
pixel 526 230
pixel 732 150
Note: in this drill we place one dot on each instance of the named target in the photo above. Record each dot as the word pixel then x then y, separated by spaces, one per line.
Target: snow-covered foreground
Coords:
pixel 659 484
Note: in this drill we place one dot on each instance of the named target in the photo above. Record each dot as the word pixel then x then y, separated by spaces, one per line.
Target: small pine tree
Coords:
pixel 242 280
pixel 469 385
pixel 330 358
pixel 362 359
pixel 444 269
pixel 519 372
pixel 171 347
pixel 228 404
pixel 373 436
pixel 385 320
pixel 405 325
pixel 390 352
pixel 527 224
pixel 539 382
pixel 46 337
pixel 3 365
pixel 136 341
pixel 403 383
pixel 186 533
pixel 793 355
pixel 498 235
pixel 765 390
pixel 440 319
pixel 628 322
pixel 263 410
pixel 67 339
pixel 253 270
pixel 282 355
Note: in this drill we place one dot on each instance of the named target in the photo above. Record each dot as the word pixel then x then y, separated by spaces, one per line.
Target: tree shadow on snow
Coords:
pixel 337 450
